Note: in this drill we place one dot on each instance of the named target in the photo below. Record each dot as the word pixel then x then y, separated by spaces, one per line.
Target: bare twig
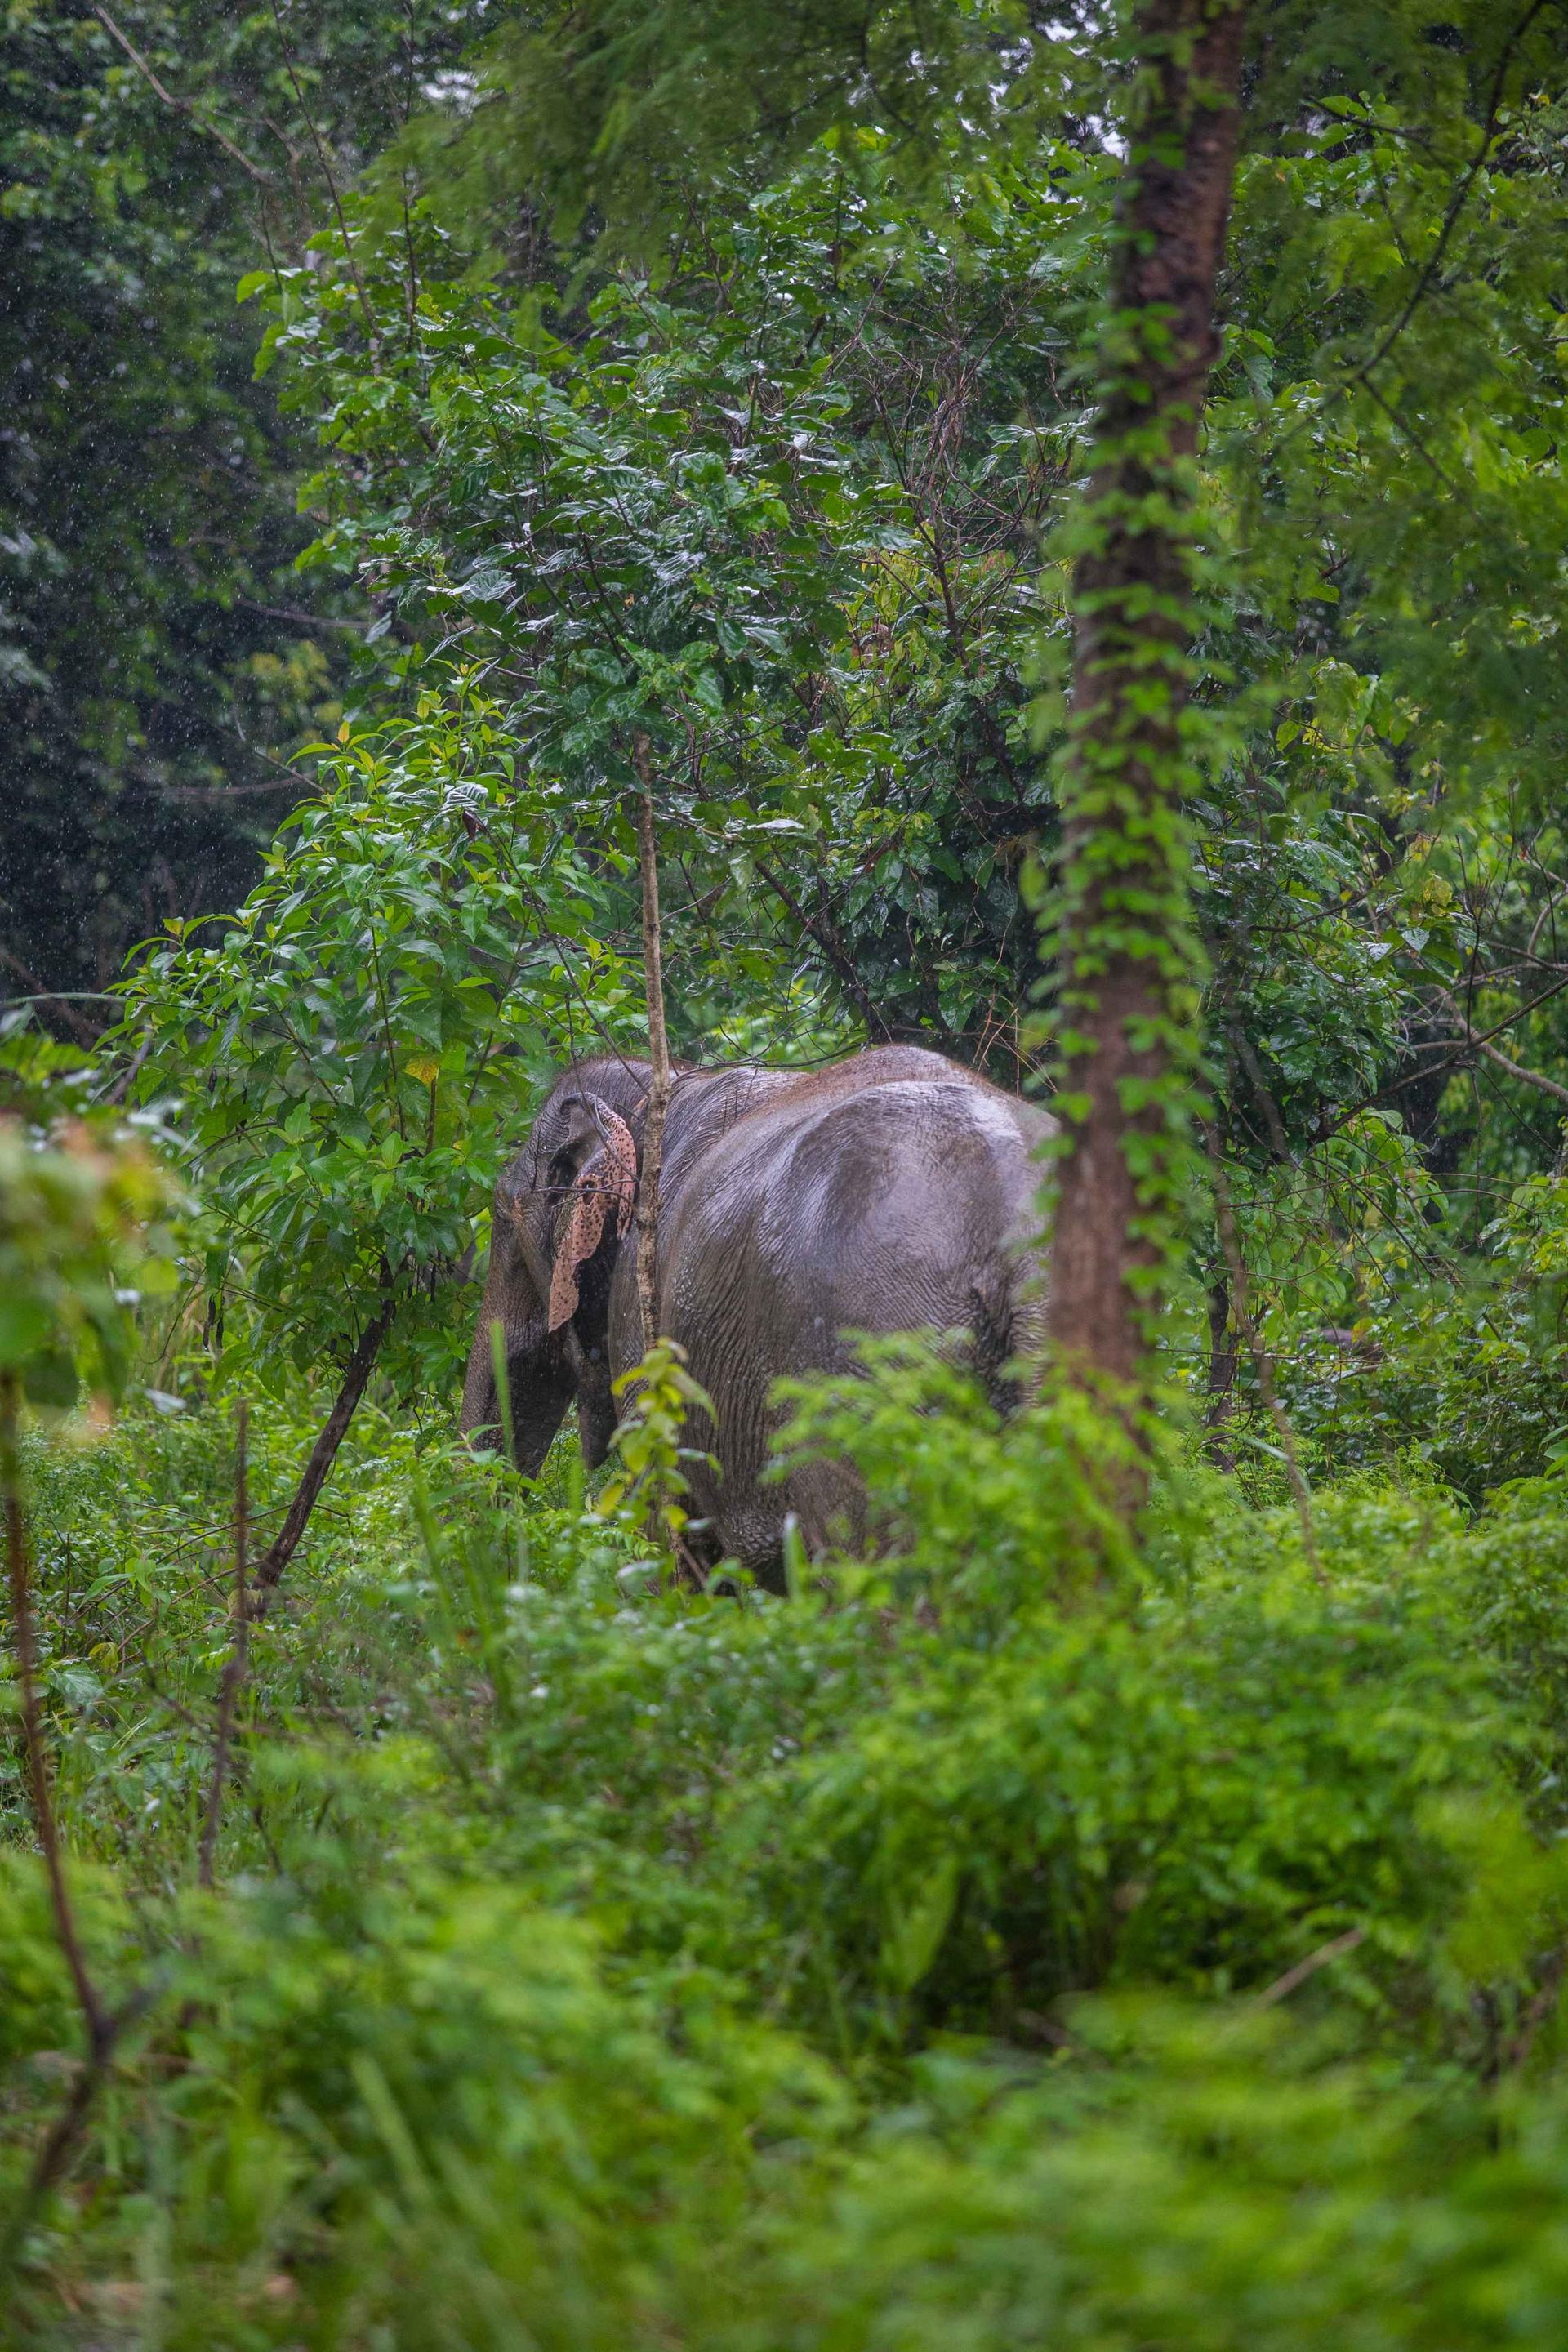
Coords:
pixel 67 1003
pixel 119 1087
pixel 1283 1987
pixel 300 620
pixel 236 1667
pixel 262 177
pixel 660 1082
pixel 1546 916
pixel 1483 1044
pixel 1225 1216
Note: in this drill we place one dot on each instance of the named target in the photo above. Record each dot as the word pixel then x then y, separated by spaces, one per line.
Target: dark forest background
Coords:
pixel 160 656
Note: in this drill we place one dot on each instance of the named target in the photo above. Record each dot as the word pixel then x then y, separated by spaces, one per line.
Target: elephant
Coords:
pixel 891 1190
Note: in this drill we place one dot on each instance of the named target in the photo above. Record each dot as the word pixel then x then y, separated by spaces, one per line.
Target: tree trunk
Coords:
pixel 660 1081
pixel 1127 960
pixel 281 1550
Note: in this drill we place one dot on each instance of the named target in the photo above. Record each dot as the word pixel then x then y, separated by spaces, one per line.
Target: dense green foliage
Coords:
pixel 158 655
pixel 590 1957
pixel 1042 1928
pixel 356 1051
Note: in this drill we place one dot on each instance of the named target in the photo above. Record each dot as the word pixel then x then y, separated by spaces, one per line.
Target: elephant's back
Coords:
pixel 904 1189
pixel 877 1209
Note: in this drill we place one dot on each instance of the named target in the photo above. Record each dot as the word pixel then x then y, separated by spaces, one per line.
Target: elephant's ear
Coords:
pixel 604 1185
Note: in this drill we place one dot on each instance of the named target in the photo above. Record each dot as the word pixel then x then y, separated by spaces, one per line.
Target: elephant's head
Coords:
pixel 561 1210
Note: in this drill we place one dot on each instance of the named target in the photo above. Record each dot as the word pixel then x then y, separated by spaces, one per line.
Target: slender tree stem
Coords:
pixel 103 2027
pixel 660 1082
pixel 1283 1987
pixel 95 2016
pixel 238 1662
pixel 371 337
pixel 281 1549
pixel 1263 1361
pixel 1222 1374
pixel 833 948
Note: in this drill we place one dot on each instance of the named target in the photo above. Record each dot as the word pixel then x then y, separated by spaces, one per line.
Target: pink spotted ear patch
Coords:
pixel 607 1182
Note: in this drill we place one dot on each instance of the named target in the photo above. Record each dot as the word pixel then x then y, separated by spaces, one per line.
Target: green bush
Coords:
pixel 1185 2181
pixel 426 2106
pixel 1195 1792
pixel 1169 1959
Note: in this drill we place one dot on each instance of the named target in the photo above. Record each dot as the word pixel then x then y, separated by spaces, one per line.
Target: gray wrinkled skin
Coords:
pixel 893 1192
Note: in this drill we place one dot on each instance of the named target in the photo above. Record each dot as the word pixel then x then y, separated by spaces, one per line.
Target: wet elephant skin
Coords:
pixel 890 1192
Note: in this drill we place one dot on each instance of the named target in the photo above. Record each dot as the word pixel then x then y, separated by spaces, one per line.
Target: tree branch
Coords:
pixel 370 328
pixel 1482 1045
pixel 1454 1062
pixel 832 948
pixel 282 1547
pixel 262 177
pixel 1284 1986
pixel 1457 201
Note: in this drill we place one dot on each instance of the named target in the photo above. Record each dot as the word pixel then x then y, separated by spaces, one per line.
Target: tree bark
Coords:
pixel 1127 963
pixel 660 1081
pixel 281 1549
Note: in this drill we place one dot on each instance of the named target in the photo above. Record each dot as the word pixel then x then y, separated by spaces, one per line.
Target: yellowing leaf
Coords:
pixel 424 1067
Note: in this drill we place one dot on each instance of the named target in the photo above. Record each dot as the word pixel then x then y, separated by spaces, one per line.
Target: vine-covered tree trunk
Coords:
pixel 1127 999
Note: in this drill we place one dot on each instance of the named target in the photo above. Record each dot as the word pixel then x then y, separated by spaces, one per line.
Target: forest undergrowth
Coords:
pixel 974 1947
